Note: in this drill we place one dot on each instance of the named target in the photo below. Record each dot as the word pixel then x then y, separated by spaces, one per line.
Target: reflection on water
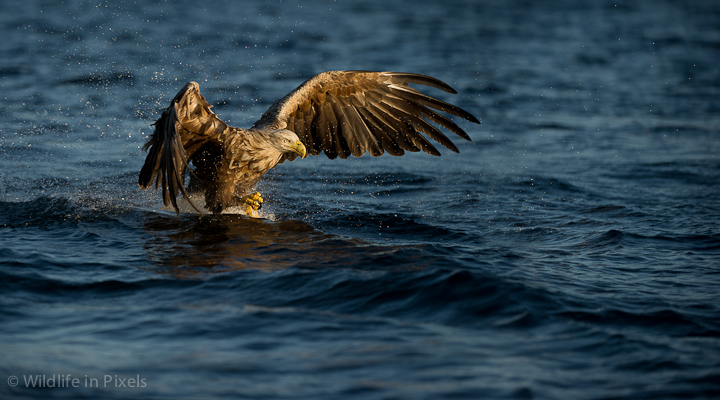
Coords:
pixel 188 246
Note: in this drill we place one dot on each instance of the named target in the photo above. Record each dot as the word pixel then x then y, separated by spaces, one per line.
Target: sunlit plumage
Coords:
pixel 339 113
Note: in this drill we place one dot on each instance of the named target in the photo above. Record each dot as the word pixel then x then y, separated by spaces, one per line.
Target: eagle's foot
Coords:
pixel 252 203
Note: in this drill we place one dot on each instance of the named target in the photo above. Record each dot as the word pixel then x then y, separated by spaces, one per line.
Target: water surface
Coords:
pixel 569 251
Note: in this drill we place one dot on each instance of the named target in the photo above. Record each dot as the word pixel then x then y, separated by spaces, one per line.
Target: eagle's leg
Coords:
pixel 252 203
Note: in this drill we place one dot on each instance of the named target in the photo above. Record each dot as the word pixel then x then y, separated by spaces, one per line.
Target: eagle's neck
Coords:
pixel 252 151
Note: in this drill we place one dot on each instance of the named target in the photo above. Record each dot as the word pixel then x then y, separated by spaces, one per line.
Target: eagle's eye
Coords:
pixel 287 140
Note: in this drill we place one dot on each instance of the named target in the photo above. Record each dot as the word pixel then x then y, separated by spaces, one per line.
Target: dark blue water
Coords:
pixel 571 251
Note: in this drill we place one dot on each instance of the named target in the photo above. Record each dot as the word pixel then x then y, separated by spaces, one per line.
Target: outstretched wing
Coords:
pixel 182 129
pixel 350 112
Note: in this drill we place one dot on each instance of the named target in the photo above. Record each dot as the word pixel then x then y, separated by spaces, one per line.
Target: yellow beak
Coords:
pixel 298 148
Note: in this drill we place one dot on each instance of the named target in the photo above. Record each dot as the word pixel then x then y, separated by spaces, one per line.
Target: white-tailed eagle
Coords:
pixel 339 113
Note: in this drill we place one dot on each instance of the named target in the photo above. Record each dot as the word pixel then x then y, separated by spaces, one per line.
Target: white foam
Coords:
pixel 199 200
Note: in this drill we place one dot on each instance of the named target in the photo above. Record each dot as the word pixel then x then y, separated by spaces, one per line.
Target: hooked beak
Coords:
pixel 298 148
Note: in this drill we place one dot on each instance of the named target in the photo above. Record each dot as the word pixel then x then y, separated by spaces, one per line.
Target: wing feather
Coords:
pixel 388 144
pixel 413 95
pixel 404 136
pixel 182 129
pixel 342 148
pixel 445 123
pixel 355 132
pixel 353 112
pixel 402 78
pixel 410 112
pixel 326 122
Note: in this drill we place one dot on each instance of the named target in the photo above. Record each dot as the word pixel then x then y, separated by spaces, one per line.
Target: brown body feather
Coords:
pixel 338 112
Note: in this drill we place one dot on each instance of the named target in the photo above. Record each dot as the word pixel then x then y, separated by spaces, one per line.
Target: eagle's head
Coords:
pixel 288 142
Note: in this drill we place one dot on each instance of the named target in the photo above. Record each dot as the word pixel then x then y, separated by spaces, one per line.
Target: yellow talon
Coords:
pixel 253 202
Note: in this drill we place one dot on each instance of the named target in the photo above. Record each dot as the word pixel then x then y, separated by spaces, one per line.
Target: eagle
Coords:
pixel 339 113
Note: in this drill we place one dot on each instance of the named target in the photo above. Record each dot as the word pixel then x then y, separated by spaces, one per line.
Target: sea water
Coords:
pixel 570 251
